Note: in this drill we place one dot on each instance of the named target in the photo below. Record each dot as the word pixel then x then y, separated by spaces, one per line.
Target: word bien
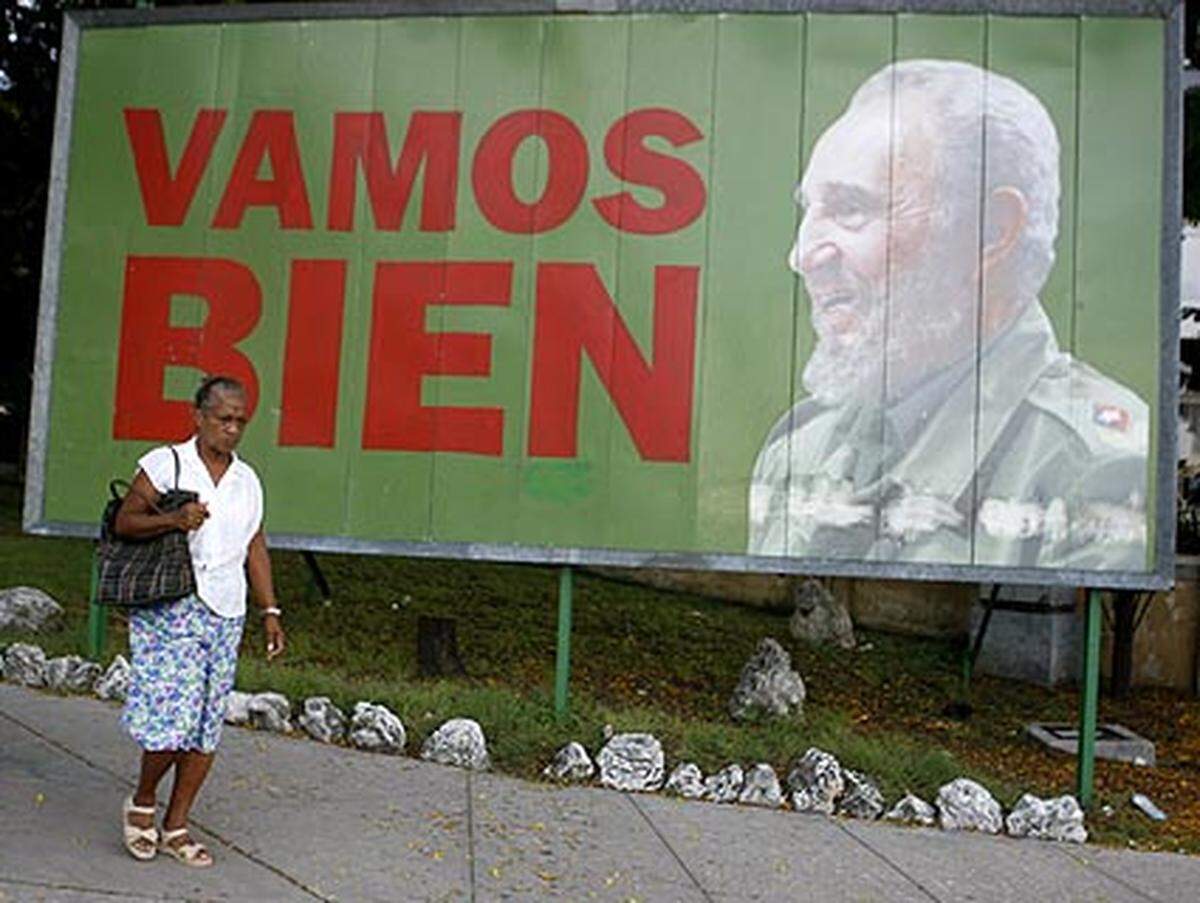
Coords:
pixel 573 315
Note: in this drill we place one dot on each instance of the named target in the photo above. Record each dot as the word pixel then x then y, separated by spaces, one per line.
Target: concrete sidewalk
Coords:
pixel 291 819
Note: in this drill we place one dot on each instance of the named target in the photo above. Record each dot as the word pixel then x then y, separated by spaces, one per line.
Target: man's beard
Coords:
pixel 928 325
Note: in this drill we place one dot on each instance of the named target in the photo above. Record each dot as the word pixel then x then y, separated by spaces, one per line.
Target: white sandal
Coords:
pixel 142 843
pixel 191 853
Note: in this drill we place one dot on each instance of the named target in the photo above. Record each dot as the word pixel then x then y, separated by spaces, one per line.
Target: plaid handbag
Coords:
pixel 144 571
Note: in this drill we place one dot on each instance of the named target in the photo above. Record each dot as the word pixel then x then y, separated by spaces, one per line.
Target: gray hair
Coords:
pixel 1021 143
pixel 212 385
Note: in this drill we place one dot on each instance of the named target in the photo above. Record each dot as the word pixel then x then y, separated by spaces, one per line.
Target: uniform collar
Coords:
pixel 942 460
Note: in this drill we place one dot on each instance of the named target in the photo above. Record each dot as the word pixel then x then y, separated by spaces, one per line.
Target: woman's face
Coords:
pixel 220 425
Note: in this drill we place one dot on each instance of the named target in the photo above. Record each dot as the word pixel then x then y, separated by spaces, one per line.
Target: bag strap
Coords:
pixel 153 503
pixel 114 485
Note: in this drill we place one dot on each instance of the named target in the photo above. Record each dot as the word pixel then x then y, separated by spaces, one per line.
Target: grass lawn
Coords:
pixel 663 662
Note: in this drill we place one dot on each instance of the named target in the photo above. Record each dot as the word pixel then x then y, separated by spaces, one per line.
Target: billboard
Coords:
pixel 791 289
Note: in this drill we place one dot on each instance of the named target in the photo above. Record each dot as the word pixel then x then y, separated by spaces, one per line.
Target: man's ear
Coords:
pixel 1004 223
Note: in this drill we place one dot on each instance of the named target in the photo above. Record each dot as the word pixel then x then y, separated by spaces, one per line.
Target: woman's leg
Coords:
pixel 190 772
pixel 219 645
pixel 165 704
pixel 139 812
pixel 144 718
pixel 154 766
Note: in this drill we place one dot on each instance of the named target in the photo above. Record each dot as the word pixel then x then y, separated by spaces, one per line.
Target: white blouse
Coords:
pixel 235 509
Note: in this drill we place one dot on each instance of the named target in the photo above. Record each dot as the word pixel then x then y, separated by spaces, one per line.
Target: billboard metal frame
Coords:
pixel 1164 517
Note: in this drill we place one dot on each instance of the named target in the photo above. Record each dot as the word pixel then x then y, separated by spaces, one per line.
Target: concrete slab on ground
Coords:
pixel 60 835
pixel 574 843
pixel 759 854
pixel 1164 877
pixel 997 868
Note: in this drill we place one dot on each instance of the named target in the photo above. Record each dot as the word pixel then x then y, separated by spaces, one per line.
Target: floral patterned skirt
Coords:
pixel 184 661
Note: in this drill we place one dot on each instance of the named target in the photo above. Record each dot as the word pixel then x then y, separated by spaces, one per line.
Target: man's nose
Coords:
pixel 812 249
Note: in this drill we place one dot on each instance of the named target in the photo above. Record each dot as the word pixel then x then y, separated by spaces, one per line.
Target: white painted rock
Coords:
pixel 964 805
pixel 27 608
pixel 377 728
pixel 913 810
pixel 25 664
pixel 237 707
pixel 114 682
pixel 761 787
pixel 861 798
pixel 819 617
pixel 815 782
pixel 726 785
pixel 571 763
pixel 1059 818
pixel 632 762
pixel 460 742
pixel 687 781
pixel 768 684
pixel 322 720
pixel 270 712
pixel 71 674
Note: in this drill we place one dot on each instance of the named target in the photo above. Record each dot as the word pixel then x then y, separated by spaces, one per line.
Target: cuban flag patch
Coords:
pixel 1111 417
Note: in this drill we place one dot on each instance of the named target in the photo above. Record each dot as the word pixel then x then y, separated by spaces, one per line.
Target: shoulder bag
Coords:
pixel 136 572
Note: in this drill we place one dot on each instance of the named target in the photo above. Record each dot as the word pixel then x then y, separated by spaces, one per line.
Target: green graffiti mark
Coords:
pixel 557 481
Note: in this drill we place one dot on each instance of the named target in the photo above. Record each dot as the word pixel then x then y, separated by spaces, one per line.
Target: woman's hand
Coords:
pixel 258 567
pixel 191 516
pixel 275 638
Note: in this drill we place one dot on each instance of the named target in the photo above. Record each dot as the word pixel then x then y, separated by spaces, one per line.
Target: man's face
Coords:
pixel 221 424
pixel 882 263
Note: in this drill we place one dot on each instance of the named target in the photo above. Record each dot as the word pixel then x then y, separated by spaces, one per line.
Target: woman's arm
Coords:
pixel 258 567
pixel 136 519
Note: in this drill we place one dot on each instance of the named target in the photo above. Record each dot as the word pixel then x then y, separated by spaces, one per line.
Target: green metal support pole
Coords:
pixel 562 669
pixel 1089 699
pixel 97 616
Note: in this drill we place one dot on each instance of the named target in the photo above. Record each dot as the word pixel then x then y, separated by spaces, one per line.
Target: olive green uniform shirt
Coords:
pixel 1027 458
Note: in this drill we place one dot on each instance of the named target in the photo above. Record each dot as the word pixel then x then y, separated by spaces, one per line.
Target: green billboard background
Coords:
pixel 760 88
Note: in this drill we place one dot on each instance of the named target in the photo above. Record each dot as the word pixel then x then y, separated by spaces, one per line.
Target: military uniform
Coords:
pixel 1060 480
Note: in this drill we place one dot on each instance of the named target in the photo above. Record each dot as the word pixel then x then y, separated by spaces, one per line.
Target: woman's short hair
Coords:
pixel 212 385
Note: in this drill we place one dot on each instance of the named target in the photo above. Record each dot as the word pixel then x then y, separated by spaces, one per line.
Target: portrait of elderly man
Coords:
pixel 941 421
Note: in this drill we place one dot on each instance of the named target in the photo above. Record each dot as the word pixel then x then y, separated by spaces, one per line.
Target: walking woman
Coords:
pixel 185 651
